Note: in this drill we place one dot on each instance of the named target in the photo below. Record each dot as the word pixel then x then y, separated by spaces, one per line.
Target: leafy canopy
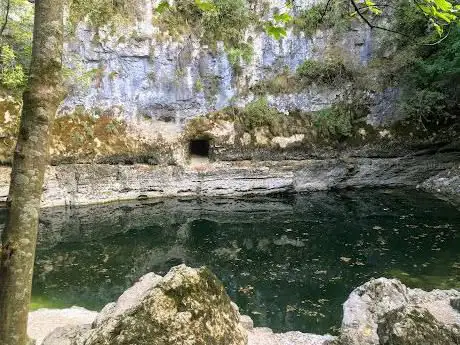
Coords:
pixel 440 13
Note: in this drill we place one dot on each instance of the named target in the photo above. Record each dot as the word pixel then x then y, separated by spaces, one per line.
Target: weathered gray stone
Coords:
pixel 188 306
pixel 412 325
pixel 446 184
pixel 264 336
pixel 43 321
pixel 388 299
pixel 140 67
pixel 67 335
pixel 246 322
pixel 82 184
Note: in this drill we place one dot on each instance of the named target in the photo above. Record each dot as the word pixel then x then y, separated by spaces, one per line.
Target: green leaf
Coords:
pixel 438 28
pixel 443 5
pixel 205 5
pixel 282 18
pixel 275 31
pixel 162 6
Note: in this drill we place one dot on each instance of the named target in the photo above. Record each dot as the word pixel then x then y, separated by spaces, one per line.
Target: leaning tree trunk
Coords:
pixel 31 157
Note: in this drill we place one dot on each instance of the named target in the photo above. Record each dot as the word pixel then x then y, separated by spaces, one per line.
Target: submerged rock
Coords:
pixel 385 312
pixel 188 306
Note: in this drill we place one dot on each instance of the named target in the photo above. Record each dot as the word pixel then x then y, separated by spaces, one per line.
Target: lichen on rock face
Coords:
pixel 188 306
pixel 410 325
pixel 385 312
pixel 82 137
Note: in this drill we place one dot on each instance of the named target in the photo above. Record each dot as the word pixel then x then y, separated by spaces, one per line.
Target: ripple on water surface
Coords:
pixel 289 262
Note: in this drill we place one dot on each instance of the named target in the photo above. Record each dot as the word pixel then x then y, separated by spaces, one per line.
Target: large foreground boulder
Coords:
pixel 188 307
pixel 385 312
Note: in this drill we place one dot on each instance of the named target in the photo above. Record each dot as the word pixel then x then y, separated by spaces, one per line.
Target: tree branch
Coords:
pixel 372 26
pixel 7 14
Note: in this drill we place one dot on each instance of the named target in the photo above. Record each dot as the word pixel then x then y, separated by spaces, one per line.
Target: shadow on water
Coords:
pixel 289 262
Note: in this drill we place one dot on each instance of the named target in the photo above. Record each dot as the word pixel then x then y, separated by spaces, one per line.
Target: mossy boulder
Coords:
pixel 386 312
pixel 188 306
pixel 411 325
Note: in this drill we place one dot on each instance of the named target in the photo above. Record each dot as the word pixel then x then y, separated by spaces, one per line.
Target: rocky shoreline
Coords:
pixel 190 306
pixel 82 184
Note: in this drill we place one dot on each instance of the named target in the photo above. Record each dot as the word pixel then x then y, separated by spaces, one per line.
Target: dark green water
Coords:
pixel 289 262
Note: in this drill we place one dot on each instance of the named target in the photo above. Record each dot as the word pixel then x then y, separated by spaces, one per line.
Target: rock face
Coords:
pixel 385 312
pixel 188 306
pixel 82 184
pixel 145 70
pixel 446 184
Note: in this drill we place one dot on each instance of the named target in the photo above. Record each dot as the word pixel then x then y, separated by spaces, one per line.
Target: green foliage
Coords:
pixel 241 53
pixel 284 82
pixel 102 12
pixel 224 20
pixel 335 16
pixel 337 121
pixel 16 44
pixel 327 72
pixel 409 21
pixel 259 113
pixel 12 74
pixel 309 20
pixel 277 27
pixel 332 72
pixel 332 123
pixel 441 13
pixel 198 86
pixel 431 85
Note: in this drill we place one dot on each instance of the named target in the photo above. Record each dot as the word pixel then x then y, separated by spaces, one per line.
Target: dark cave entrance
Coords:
pixel 200 148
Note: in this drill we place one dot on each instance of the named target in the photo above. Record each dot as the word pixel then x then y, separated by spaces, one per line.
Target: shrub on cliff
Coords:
pixel 221 20
pixel 327 72
pixel 431 88
pixel 259 114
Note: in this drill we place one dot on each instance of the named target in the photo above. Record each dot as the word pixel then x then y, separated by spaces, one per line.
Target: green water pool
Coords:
pixel 288 261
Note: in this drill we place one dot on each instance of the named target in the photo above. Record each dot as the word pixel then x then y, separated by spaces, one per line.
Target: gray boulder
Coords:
pixel 446 184
pixel 385 312
pixel 188 306
pixel 410 325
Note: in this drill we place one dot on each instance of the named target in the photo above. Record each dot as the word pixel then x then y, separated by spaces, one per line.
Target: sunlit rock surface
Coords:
pixel 187 306
pixel 44 321
pixel 386 312
pixel 82 184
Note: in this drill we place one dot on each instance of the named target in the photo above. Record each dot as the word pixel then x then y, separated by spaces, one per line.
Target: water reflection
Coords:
pixel 289 262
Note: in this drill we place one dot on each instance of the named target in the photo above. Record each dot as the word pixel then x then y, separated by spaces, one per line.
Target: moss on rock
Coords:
pixel 188 306
pixel 411 325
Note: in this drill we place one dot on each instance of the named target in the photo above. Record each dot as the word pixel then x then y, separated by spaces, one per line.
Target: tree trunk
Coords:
pixel 31 158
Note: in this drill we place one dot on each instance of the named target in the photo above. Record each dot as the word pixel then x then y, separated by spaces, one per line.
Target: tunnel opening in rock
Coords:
pixel 200 148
